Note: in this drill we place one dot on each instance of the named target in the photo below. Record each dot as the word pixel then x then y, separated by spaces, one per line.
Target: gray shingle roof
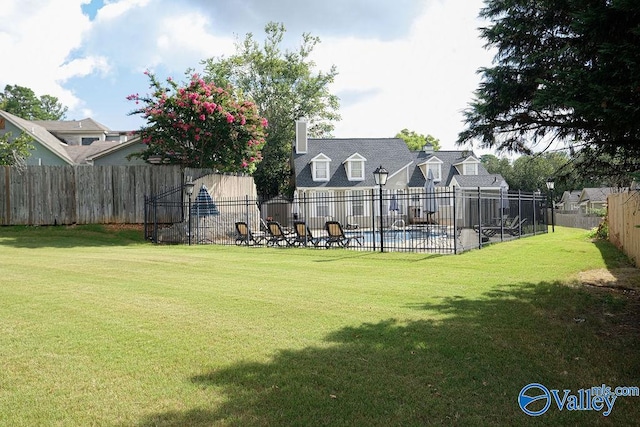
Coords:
pixel 391 153
pixel 449 159
pixel 84 125
pixel 80 153
pixel 595 194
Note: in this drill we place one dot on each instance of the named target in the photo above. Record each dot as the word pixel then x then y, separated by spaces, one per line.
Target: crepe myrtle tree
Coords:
pixel 199 125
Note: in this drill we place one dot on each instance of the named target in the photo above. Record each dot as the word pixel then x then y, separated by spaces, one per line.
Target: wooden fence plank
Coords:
pixel 46 195
pixel 623 213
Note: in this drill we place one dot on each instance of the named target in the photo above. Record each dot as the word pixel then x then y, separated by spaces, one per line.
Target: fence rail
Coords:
pixel 399 221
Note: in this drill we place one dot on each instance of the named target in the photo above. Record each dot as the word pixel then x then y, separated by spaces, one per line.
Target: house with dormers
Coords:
pixel 73 142
pixel 337 175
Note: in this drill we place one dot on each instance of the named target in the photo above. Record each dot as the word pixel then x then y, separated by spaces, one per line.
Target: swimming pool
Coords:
pixel 399 236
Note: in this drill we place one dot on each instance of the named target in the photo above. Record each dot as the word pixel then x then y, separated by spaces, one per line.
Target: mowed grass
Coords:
pixel 100 328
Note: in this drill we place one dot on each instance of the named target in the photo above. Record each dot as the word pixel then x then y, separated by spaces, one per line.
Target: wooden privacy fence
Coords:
pixel 623 212
pixel 46 195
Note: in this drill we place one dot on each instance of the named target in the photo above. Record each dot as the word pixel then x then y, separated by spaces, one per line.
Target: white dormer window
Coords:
pixel 354 166
pixel 468 166
pixel 434 165
pixel 320 167
pixel 436 170
pixel 470 169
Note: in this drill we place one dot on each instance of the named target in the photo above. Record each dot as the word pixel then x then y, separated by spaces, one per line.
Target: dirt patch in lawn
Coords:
pixel 619 290
pixel 121 227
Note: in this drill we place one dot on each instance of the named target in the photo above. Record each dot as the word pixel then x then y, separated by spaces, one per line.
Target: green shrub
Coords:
pixel 601 232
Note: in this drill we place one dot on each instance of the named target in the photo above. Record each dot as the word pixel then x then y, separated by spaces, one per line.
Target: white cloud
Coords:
pixel 39 45
pixel 111 11
pixel 421 82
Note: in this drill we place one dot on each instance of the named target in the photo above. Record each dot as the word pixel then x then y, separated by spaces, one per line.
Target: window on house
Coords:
pixel 321 170
pixel 436 170
pixel 356 170
pixel 89 141
pixel 354 166
pixel 470 169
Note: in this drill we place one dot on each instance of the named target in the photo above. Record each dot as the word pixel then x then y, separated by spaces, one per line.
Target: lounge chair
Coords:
pixel 277 236
pixel 336 235
pixel 304 235
pixel 515 228
pixel 244 236
pixel 511 228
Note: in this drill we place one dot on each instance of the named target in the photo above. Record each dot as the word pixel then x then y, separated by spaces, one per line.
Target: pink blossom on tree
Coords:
pixel 200 125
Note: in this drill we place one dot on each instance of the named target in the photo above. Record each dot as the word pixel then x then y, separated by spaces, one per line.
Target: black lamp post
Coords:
pixel 551 185
pixel 188 188
pixel 380 175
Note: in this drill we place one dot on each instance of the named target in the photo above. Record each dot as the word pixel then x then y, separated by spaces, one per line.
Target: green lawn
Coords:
pixel 100 328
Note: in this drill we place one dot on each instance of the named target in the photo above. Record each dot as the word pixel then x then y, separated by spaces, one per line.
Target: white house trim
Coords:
pixel 320 167
pixel 351 167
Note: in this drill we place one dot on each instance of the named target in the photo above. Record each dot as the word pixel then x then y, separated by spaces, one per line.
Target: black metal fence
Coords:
pixel 448 221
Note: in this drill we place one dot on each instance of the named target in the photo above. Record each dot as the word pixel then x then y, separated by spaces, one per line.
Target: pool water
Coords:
pixel 398 235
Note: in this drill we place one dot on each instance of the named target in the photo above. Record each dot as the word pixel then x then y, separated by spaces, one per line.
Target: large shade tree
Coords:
pixel 199 125
pixel 416 141
pixel 566 71
pixel 285 86
pixel 23 102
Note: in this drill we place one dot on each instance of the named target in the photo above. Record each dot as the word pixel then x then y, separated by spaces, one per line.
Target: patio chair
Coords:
pixel 277 236
pixel 336 235
pixel 511 228
pixel 515 227
pixel 304 235
pixel 244 236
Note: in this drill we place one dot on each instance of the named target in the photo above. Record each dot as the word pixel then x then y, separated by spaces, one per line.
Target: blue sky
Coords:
pixel 402 64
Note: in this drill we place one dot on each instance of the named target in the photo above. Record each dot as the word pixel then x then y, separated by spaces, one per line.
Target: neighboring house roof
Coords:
pixel 41 135
pixel 66 126
pixel 595 194
pixel 49 133
pixel 81 153
pixel 391 153
pixel 115 147
pixel 569 198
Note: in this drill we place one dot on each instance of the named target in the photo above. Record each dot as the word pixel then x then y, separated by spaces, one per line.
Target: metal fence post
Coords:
pixel 455 222
pixel 246 209
pixel 479 220
pixel 373 219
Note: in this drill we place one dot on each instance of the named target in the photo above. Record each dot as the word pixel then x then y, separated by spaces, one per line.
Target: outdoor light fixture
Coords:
pixel 188 188
pixel 380 175
pixel 550 186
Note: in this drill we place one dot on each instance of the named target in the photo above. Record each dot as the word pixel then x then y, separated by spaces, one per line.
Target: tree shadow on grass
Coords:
pixel 464 363
pixel 63 236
